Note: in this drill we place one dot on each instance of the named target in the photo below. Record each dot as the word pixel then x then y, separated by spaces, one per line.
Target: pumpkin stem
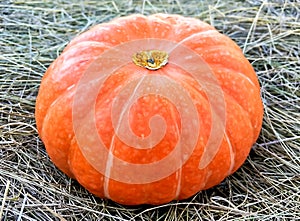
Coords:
pixel 152 59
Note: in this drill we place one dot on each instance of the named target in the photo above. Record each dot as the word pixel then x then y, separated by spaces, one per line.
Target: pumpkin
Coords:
pixel 149 109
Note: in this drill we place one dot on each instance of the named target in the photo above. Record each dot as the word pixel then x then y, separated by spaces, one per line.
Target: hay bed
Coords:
pixel 267 187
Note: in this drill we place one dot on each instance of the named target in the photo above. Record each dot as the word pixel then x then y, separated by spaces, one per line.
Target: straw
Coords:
pixel 266 187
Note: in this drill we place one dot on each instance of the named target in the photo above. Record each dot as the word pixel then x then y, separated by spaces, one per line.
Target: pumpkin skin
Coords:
pixel 235 75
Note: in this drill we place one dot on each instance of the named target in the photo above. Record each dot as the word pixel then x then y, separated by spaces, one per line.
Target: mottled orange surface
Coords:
pixel 235 75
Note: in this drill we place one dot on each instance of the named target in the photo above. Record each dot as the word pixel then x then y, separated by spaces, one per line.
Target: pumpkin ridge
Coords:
pixel 236 63
pixel 237 73
pixel 252 115
pixel 122 22
pixel 231 131
pixel 238 103
pixel 188 26
pixel 246 116
pixel 109 163
pixel 166 33
pixel 47 137
pixel 68 77
pixel 179 171
pixel 227 96
pixel 52 105
pixel 244 109
pixel 210 38
pixel 98 33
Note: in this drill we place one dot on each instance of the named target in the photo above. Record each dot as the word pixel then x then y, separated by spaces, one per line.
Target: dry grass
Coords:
pixel 267 187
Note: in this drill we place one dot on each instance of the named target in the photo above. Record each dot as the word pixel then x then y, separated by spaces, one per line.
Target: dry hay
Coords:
pixel 267 187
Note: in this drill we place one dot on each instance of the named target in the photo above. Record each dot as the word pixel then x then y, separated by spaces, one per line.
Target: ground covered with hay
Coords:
pixel 267 187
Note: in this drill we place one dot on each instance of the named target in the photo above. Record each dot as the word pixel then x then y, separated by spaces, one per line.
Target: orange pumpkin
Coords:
pixel 109 135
